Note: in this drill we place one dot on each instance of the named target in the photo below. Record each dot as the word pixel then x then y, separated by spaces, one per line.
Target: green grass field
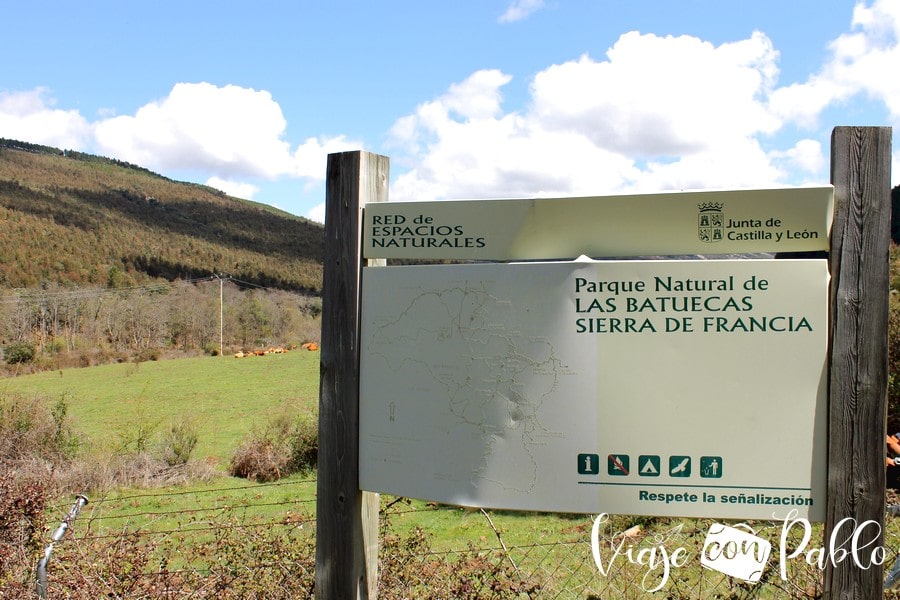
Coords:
pixel 228 397
pixel 225 397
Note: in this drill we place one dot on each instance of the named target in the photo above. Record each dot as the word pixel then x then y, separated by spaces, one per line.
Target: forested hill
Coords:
pixel 74 218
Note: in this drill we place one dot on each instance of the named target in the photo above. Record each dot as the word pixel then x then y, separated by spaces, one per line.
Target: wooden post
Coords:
pixel 346 518
pixel 860 244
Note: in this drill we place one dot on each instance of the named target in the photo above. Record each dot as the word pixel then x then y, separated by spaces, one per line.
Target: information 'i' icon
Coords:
pixel 588 464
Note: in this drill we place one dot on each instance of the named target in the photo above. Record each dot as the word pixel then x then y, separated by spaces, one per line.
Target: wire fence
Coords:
pixel 258 541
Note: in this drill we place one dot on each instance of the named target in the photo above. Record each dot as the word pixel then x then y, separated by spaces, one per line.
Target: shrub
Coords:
pixel 18 352
pixel 56 346
pixel 304 445
pixel 33 428
pixel 21 523
pixel 408 568
pixel 151 354
pixel 179 441
pixel 138 436
pixel 283 446
pixel 260 459
pixel 65 441
pixel 241 560
pixel 102 472
pixel 893 416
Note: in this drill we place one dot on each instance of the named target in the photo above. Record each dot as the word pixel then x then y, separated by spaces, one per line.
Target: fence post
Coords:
pixel 860 246
pixel 346 518
pixel 40 584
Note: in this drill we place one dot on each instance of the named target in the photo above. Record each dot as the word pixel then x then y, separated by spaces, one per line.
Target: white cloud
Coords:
pixel 661 96
pixel 806 155
pixel 311 157
pixel 655 113
pixel 230 131
pixel 231 135
pixel 233 188
pixel 520 9
pixel 317 213
pixel 29 116
pixel 743 164
pixel 870 57
pixel 862 61
pixel 658 113
pixel 478 97
pixel 862 64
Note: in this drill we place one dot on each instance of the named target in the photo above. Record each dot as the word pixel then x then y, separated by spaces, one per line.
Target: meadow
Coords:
pixel 112 406
pixel 118 405
pixel 194 528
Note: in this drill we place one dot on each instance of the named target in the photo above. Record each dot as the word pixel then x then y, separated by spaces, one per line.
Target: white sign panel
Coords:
pixel 709 222
pixel 677 388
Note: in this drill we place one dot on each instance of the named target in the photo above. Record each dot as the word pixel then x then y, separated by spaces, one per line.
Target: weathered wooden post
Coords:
pixel 346 518
pixel 860 244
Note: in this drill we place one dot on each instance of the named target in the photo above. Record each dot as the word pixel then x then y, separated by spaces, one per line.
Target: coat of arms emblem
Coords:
pixel 711 223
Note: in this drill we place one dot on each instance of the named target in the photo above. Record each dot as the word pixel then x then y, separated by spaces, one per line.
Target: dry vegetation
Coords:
pixel 56 327
pixel 38 458
pixel 105 261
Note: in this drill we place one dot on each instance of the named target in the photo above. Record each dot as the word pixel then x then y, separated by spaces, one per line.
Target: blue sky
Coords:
pixel 470 99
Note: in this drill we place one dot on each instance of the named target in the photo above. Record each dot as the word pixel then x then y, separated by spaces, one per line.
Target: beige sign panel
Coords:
pixel 672 388
pixel 776 220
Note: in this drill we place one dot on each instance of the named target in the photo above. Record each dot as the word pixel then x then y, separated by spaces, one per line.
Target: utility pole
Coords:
pixel 221 319
pixel 221 315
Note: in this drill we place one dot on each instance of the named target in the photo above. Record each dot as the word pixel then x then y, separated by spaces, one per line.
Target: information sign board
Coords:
pixel 673 388
pixel 709 222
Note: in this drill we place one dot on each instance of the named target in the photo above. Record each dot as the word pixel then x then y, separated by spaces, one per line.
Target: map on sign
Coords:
pixel 497 395
pixel 644 387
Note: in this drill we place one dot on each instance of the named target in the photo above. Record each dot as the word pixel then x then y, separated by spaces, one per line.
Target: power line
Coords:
pixel 41 295
pixel 250 284
pixel 35 296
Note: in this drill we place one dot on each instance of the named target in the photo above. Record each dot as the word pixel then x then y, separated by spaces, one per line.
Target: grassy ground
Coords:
pixel 225 397
pixel 111 405
pixel 228 397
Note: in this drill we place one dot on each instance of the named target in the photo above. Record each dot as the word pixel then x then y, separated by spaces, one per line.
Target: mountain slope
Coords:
pixel 69 217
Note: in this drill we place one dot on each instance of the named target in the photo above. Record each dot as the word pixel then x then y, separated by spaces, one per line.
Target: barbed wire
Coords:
pixel 62 505
pixel 187 529
pixel 563 565
pixel 250 567
pixel 169 513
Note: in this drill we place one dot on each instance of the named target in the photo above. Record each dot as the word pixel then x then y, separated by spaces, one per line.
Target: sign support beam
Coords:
pixel 860 246
pixel 346 518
